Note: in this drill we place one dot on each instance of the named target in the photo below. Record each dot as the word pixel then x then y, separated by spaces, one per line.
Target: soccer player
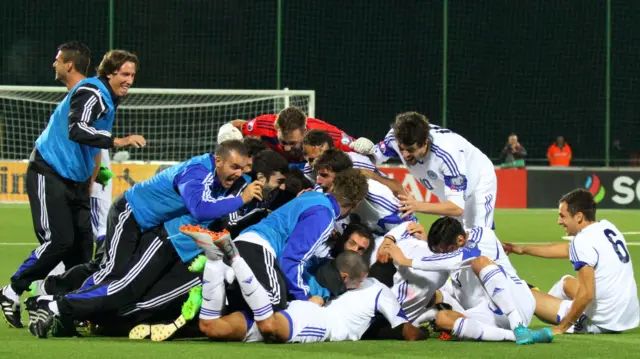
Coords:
pixel 198 186
pixel 156 263
pixel 604 297
pixel 280 248
pixel 284 132
pixel 379 210
pixel 253 145
pixel 491 292
pixel 457 172
pixel 61 165
pixel 304 321
pixel 315 142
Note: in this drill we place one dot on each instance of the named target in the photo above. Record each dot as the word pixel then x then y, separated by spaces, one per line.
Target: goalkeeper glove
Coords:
pixel 362 145
pixel 228 132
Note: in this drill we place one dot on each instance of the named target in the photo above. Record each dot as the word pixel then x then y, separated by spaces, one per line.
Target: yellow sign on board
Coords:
pixel 13 178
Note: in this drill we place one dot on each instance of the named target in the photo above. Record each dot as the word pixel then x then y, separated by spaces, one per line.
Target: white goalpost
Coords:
pixel 177 123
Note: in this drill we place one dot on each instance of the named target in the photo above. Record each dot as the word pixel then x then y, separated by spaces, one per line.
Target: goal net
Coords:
pixel 177 124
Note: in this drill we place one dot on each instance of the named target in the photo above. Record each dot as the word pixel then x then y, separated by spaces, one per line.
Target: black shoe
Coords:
pixel 31 305
pixel 45 319
pixel 533 287
pixel 10 311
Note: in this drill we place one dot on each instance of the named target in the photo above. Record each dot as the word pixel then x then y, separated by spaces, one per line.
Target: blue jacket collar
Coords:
pixel 334 203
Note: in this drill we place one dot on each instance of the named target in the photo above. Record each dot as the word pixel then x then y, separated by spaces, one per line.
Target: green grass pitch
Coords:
pixel 512 225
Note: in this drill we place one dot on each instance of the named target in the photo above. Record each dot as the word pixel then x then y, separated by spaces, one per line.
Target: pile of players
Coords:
pixel 264 251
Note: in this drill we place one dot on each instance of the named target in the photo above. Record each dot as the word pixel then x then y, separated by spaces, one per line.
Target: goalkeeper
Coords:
pixel 62 165
pixel 284 133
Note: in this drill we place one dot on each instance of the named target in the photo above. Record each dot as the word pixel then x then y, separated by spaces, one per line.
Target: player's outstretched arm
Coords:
pixel 394 186
pixel 409 205
pixel 555 250
pixel 314 227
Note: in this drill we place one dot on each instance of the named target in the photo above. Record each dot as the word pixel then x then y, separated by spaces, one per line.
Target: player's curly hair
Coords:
pixel 254 145
pixel 291 119
pixel 444 233
pixel 113 61
pixel 349 188
pixel 78 53
pixel 411 128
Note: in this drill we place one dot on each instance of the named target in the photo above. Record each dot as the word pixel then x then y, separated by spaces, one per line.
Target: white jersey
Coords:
pixel 467 288
pixel 359 161
pixel 454 170
pixel 378 211
pixel 99 191
pixel 615 303
pixel 347 317
pixel 413 288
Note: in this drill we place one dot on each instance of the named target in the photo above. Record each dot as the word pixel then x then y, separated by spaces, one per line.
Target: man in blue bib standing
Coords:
pixel 62 165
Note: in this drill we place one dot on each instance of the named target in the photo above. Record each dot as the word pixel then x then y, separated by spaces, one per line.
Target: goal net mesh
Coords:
pixel 177 124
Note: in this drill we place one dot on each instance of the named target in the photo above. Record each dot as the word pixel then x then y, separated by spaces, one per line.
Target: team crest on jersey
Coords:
pixel 250 125
pixel 345 139
pixel 456 183
pixel 432 174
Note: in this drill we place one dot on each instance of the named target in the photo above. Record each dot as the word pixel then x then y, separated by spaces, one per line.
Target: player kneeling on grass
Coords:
pixel 307 321
pixel 604 297
pixel 490 291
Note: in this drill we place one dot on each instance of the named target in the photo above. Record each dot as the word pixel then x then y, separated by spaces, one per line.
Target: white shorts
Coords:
pixel 583 325
pixel 479 207
pixel 488 313
pixel 307 322
pixel 99 211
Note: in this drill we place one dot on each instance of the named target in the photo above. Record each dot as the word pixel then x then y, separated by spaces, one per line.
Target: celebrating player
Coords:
pixel 315 142
pixel 604 297
pixel 63 162
pixel 458 173
pixel 284 132
pixel 490 292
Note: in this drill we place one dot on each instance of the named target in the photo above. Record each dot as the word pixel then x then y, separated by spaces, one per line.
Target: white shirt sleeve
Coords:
pixel 582 253
pixel 387 304
pixel 427 261
pixel 399 232
pixel 386 149
pixel 453 171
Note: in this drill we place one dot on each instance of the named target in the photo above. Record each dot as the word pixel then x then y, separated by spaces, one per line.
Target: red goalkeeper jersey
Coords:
pixel 263 127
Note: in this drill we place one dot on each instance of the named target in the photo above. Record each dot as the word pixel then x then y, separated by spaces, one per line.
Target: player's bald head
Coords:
pixel 352 264
pixel 227 147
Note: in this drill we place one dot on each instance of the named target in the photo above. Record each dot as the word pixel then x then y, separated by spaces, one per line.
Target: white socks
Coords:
pixel 254 294
pixel 59 269
pixel 558 289
pixel 213 289
pixel 498 287
pixel 469 328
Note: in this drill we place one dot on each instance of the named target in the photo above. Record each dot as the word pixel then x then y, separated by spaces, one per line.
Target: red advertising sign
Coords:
pixel 512 186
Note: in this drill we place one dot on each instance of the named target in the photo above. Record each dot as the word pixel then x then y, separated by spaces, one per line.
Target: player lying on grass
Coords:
pixel 269 168
pixel 379 209
pixel 284 133
pixel 498 305
pixel 457 172
pixel 305 321
pixel 198 186
pixel 280 249
pixel 604 297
